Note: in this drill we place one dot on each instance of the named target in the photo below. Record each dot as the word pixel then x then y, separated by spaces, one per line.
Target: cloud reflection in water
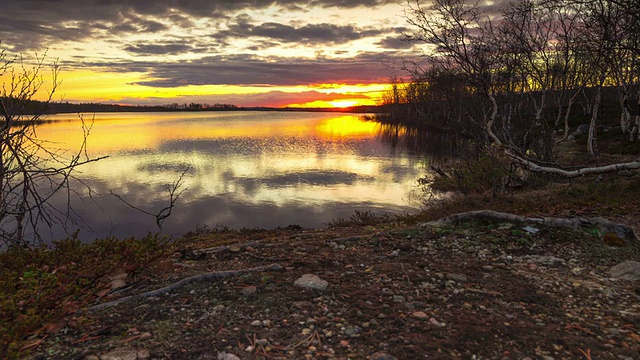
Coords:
pixel 247 169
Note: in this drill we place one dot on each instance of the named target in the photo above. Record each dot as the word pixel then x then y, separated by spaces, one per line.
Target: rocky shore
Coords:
pixel 475 289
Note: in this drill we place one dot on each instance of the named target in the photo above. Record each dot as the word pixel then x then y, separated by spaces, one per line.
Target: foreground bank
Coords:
pixel 485 288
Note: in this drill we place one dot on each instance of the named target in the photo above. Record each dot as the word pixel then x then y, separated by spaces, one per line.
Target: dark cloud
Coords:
pixel 29 22
pixel 170 48
pixel 250 70
pixel 309 33
pixel 395 42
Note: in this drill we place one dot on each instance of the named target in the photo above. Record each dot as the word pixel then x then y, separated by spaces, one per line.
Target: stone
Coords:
pixel 436 322
pixel 303 305
pixel 628 270
pixel 226 356
pixel 457 277
pixel 311 281
pixel 399 299
pixel 382 356
pixel 249 290
pixel 420 315
pixel 545 260
pixel 126 353
pixel 256 323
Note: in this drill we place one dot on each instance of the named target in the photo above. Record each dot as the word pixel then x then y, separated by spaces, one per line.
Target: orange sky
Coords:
pixel 324 53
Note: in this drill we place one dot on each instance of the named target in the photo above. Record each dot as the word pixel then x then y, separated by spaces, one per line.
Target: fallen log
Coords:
pixel 533 167
pixel 185 281
pixel 605 226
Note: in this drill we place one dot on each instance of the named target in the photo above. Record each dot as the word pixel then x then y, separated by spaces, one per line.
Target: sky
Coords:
pixel 316 53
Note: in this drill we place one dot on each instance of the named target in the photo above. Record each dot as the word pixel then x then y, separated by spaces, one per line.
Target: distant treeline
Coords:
pixel 31 107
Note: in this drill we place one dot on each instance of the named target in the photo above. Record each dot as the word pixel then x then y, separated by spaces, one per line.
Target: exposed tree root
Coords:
pixel 199 277
pixel 623 231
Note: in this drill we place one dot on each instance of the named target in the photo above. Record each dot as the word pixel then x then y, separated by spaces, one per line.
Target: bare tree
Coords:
pixel 463 38
pixel 535 53
pixel 32 171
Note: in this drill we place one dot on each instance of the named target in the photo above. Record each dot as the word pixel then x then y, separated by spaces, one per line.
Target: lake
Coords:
pixel 245 169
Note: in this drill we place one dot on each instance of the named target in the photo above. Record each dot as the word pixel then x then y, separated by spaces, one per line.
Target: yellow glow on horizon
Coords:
pixel 343 103
pixel 103 86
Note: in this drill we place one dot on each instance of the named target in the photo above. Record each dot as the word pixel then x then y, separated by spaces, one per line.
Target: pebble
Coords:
pixel 227 356
pixel 256 323
pixel 126 353
pixel 262 342
pixel 399 299
pixel 457 277
pixel 382 356
pixel 352 330
pixel 249 290
pixel 420 315
pixel 436 322
pixel 311 281
pixel 219 308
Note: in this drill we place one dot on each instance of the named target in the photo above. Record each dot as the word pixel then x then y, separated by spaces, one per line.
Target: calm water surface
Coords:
pixel 246 169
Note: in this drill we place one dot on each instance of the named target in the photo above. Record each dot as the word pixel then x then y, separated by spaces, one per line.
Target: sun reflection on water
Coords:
pixel 283 168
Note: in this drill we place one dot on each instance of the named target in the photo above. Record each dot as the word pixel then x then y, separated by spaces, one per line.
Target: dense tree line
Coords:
pixel 515 76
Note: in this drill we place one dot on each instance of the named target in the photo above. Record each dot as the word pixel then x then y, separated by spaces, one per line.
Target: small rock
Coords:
pixel 126 353
pixel 628 270
pixel 545 260
pixel 399 299
pixel 531 230
pixel 303 305
pixel 386 291
pixel 226 356
pixel 218 308
pixel 145 336
pixel 420 315
pixel 457 277
pixel 311 281
pixel 436 322
pixel 352 330
pixel 249 290
pixel 262 342
pixel 256 323
pixel 382 356
pixel 234 249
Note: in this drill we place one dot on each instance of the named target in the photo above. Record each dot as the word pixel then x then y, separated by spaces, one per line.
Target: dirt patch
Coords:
pixel 473 290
